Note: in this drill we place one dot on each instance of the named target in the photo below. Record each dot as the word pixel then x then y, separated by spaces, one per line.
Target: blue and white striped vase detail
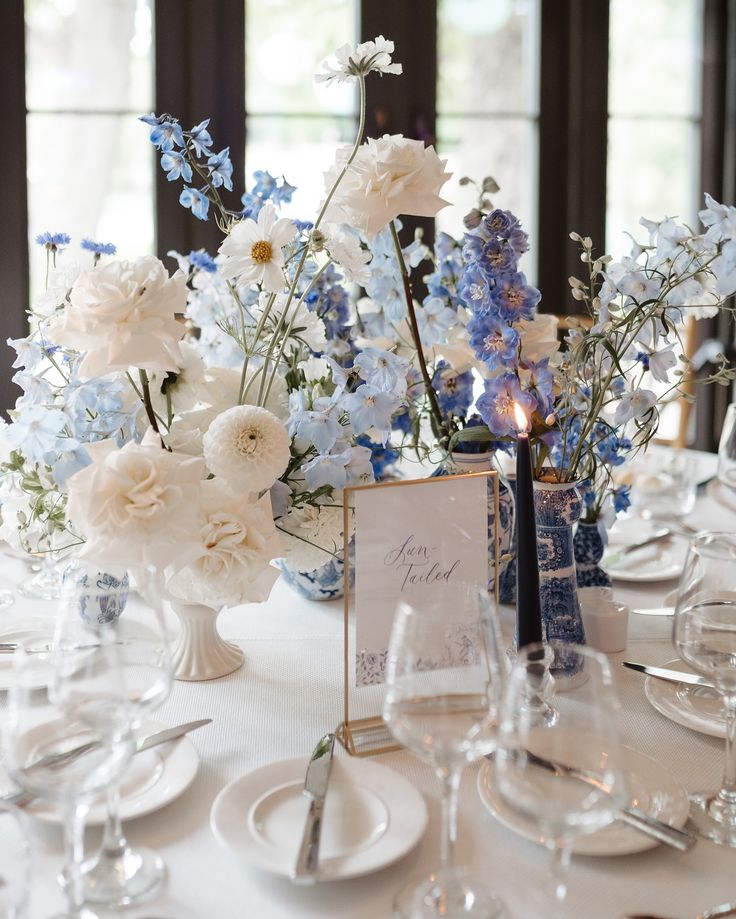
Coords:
pixel 323 583
pixel 589 550
pixel 558 507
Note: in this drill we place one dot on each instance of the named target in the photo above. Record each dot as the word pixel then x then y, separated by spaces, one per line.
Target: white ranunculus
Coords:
pixel 248 447
pixel 538 337
pixel 123 314
pixel 136 504
pixel 237 540
pixel 314 535
pixel 390 175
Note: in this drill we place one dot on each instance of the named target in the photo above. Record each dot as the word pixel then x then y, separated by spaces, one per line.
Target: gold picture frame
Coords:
pixel 368 736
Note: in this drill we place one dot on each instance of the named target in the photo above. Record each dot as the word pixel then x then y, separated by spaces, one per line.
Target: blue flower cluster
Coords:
pixel 53 242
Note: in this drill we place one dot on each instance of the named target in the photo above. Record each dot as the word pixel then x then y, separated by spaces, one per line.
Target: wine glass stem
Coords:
pixel 74 844
pixel 113 840
pixel 450 779
pixel 727 794
pixel 560 864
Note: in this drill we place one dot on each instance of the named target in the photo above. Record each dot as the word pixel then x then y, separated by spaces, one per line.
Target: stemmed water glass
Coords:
pixel 564 777
pixel 120 874
pixel 15 863
pixel 705 638
pixel 84 706
pixel 444 679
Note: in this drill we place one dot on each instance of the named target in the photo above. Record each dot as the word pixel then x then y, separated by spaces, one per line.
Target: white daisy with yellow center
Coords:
pixel 253 250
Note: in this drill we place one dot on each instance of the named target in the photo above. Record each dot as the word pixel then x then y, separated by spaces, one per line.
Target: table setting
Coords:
pixel 359 605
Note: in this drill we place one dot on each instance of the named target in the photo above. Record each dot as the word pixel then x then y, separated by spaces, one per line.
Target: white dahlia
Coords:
pixel 248 447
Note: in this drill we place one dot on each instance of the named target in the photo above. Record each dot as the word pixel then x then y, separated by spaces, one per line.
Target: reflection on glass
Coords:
pixel 653 135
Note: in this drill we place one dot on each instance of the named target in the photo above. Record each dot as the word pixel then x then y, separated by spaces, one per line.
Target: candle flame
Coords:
pixel 522 422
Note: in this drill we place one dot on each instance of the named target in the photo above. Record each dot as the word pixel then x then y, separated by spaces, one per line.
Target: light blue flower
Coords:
pixel 196 200
pixel 29 352
pixel 221 169
pixel 496 404
pixel 360 466
pixel 326 469
pixel 515 298
pixel 382 369
pixel 370 408
pixel 202 261
pixel 200 138
pixel 317 428
pixel 67 463
pixel 36 431
pixel 53 242
pixel 493 341
pixel 175 166
pixel 283 194
pixel 165 131
pixel 454 390
pixel 98 248
pixel 435 320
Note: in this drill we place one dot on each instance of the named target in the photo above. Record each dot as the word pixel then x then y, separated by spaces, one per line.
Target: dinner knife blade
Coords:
pixel 658 536
pixel 655 611
pixel 168 734
pixel 315 787
pixel 674 676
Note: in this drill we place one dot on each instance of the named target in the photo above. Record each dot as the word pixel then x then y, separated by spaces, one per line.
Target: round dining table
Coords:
pixel 290 692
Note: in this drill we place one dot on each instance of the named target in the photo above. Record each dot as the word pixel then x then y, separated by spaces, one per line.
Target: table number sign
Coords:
pixel 410 537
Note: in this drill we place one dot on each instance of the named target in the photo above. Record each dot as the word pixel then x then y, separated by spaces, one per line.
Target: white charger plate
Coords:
pixel 152 780
pixel 372 817
pixel 660 566
pixel 652 789
pixel 694 707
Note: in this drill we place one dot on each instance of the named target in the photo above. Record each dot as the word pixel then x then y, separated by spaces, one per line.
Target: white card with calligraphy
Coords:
pixel 411 537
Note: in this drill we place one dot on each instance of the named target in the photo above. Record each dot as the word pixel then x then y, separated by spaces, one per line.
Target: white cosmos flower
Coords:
pixel 252 252
pixel 390 175
pixel 314 535
pixel 345 249
pixel 367 57
pixel 248 447
pixel 237 540
pixel 634 404
pixel 123 314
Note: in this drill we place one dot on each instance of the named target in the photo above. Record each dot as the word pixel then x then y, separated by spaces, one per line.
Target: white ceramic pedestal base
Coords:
pixel 200 652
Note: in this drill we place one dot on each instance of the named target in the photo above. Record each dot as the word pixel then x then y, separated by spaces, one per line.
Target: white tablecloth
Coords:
pixel 290 692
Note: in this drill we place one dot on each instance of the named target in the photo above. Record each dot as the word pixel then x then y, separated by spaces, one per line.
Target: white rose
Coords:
pixel 136 504
pixel 123 314
pixel 390 175
pixel 237 541
pixel 314 535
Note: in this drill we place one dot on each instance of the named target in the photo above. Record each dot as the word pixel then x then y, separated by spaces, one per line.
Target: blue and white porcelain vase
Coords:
pixel 558 506
pixel 101 596
pixel 507 581
pixel 588 554
pixel 458 463
pixel 323 583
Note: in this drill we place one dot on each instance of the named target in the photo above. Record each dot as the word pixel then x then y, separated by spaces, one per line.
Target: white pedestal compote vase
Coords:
pixel 200 652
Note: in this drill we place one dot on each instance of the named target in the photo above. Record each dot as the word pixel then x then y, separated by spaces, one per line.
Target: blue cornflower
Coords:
pixel 98 248
pixel 165 131
pixel 196 200
pixel 54 242
pixel 221 169
pixel 496 404
pixel 200 138
pixel 497 258
pixel 175 166
pixel 621 499
pixel 454 390
pixel 283 193
pixel 202 261
pixel 515 298
pixel 494 342
pixel 500 223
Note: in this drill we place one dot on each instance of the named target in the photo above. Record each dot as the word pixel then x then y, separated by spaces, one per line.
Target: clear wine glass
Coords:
pixel 564 778
pixel 15 863
pixel 45 584
pixel 84 705
pixel 120 874
pixel 705 638
pixel 444 678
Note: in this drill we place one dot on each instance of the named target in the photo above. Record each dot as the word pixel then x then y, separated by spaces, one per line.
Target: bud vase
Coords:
pixel 459 463
pixel 200 652
pixel 557 507
pixel 323 583
pixel 588 554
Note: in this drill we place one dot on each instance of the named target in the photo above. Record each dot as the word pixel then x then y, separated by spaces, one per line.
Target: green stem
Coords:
pixel 149 406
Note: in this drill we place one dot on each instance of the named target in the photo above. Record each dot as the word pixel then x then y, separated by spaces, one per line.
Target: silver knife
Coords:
pixel 657 536
pixel 315 787
pixel 674 676
pixel 20 798
pixel 655 611
pixel 639 820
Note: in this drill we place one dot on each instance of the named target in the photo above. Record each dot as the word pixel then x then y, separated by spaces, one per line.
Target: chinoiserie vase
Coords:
pixel 458 463
pixel 323 583
pixel 589 548
pixel 507 580
pixel 200 652
pixel 101 596
pixel 557 510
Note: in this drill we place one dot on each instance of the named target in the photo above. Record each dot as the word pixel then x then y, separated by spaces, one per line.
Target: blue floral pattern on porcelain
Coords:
pixel 324 583
pixel 589 549
pixel 558 508
pixel 101 597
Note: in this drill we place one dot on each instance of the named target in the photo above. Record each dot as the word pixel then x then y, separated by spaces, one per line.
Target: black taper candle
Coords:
pixel 528 607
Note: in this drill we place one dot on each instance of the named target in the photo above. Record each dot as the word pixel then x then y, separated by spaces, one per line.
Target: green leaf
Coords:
pixel 477 434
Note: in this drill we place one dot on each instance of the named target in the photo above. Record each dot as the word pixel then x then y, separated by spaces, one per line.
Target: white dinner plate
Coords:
pixel 36 630
pixel 372 817
pixel 153 779
pixel 652 789
pixel 659 564
pixel 694 707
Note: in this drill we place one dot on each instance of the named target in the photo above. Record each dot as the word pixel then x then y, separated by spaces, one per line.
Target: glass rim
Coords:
pixel 715 544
